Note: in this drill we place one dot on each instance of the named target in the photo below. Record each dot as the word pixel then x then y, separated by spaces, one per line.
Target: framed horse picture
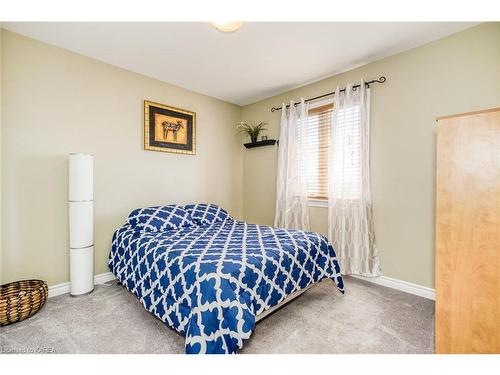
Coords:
pixel 169 129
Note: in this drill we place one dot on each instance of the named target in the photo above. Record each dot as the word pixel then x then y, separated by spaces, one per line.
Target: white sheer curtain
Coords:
pixel 350 220
pixel 292 210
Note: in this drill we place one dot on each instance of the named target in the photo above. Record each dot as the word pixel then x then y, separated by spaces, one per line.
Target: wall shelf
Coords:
pixel 267 142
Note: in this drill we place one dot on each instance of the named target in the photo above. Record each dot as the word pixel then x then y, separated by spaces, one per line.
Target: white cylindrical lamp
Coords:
pixel 81 223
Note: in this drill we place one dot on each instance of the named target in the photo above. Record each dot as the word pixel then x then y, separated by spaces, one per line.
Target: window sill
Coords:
pixel 318 202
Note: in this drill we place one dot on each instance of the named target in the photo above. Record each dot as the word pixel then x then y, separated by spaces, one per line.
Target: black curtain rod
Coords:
pixel 380 80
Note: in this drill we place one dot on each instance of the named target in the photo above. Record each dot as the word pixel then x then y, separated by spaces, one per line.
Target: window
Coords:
pixel 346 168
pixel 318 123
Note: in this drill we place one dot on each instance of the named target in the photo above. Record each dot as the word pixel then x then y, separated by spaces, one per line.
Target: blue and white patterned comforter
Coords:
pixel 209 282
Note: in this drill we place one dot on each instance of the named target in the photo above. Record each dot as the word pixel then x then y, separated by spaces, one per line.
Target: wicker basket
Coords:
pixel 21 299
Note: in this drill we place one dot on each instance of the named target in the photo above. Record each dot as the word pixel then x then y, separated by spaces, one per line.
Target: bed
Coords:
pixel 211 277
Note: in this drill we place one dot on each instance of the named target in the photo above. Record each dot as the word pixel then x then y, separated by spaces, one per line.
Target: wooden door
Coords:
pixel 468 233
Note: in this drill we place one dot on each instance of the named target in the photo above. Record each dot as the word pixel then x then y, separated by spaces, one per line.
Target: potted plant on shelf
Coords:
pixel 252 129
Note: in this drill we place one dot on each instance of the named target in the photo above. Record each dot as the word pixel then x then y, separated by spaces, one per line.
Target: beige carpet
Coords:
pixel 367 319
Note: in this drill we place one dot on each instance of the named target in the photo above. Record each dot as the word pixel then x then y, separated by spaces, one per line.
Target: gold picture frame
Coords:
pixel 169 129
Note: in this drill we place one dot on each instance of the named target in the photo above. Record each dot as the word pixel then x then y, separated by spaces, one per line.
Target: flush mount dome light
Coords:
pixel 227 27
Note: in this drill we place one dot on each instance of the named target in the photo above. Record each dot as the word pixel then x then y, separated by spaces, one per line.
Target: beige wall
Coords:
pixel 1 153
pixel 456 74
pixel 56 102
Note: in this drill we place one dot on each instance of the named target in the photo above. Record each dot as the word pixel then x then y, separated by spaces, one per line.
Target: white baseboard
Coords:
pixel 404 286
pixel 389 282
pixel 104 278
pixel 57 290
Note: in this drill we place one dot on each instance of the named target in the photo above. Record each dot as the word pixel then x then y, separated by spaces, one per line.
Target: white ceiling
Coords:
pixel 258 61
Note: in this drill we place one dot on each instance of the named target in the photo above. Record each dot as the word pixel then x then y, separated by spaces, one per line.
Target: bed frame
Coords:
pixel 288 299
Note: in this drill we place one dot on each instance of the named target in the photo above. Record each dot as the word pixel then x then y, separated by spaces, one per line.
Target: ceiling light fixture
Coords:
pixel 227 27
